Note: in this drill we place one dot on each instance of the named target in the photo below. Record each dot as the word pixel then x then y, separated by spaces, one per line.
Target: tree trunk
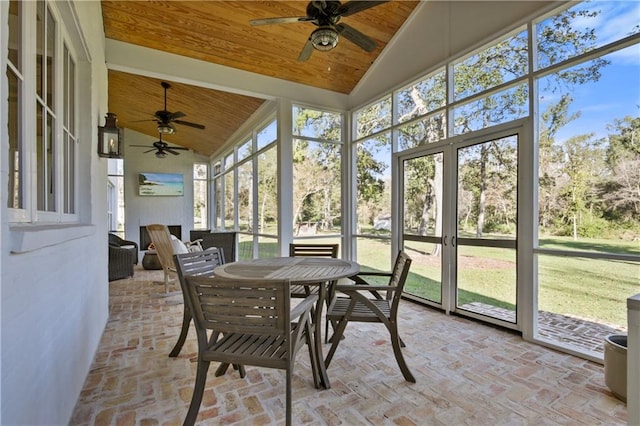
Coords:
pixel 424 216
pixel 483 188
pixel 437 198
pixel 263 207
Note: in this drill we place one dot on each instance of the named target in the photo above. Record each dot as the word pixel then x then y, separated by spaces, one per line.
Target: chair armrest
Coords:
pixel 359 287
pixel 373 274
pixel 359 278
pixel 304 307
pixel 194 245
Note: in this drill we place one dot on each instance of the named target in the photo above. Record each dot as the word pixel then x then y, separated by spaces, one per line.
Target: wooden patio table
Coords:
pixel 299 270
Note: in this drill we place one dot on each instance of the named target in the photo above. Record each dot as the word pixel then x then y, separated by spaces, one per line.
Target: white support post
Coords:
pixel 633 360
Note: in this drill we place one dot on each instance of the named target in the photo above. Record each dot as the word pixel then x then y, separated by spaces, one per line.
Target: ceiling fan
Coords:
pixel 325 15
pixel 162 148
pixel 166 119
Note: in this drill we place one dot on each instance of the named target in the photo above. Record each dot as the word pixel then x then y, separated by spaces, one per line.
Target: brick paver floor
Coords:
pixel 467 373
pixel 577 332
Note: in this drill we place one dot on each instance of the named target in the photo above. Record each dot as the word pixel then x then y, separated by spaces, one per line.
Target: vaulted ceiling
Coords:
pixel 219 32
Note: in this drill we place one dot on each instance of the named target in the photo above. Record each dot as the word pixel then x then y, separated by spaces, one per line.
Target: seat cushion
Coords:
pixel 178 246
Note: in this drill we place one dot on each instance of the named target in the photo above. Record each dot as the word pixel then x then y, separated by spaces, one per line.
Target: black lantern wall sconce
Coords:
pixel 110 138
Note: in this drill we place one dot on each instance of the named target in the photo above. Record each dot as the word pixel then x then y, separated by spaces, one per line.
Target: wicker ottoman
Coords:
pixel 150 260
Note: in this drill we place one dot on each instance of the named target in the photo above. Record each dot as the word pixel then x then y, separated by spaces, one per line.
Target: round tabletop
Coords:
pixel 295 269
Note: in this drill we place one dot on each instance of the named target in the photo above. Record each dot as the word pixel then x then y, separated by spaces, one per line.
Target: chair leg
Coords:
pixel 337 336
pixel 395 342
pixel 307 292
pixel 198 391
pixel 240 369
pixel 222 368
pixel 313 355
pixel 331 294
pixel 166 281
pixel 186 320
pixel 289 396
pixel 326 330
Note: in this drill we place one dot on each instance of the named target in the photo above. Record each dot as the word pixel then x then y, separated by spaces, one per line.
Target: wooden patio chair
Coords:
pixel 166 246
pixel 299 291
pixel 361 307
pixel 201 263
pixel 250 323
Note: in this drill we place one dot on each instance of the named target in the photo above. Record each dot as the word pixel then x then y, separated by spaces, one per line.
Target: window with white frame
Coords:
pixel 15 77
pixel 579 89
pixel 42 142
pixel 317 173
pixel 115 196
pixel 200 196
pixel 245 192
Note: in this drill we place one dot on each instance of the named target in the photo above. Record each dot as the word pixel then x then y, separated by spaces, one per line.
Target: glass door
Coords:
pixel 485 231
pixel 423 216
pixel 459 216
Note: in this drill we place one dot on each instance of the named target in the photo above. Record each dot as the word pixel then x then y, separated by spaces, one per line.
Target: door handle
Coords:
pixel 453 241
pixel 445 240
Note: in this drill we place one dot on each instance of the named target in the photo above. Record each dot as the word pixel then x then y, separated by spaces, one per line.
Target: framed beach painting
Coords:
pixel 161 184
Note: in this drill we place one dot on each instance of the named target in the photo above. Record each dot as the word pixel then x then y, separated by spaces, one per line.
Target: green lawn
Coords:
pixel 594 290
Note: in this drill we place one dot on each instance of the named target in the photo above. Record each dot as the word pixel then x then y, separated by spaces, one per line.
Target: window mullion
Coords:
pixel 29 104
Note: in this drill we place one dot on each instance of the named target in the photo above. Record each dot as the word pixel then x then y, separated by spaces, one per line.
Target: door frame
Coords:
pixel 526 296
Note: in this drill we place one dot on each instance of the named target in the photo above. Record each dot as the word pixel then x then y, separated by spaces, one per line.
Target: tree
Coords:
pixel 369 185
pixel 267 188
pixel 622 190
pixel 317 166
pixel 581 169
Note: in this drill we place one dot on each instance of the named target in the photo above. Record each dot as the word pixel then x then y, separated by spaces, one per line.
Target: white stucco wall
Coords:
pixel 53 281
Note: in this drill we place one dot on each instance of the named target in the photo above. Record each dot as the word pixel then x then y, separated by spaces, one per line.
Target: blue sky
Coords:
pixel 617 93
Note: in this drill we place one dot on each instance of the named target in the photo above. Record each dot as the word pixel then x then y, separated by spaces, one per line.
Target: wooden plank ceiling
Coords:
pixel 219 32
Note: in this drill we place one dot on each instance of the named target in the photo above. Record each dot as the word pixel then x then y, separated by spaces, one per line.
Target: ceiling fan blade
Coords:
pixel 283 20
pixel 356 37
pixel 352 7
pixel 141 146
pixel 150 150
pixel 177 114
pixel 306 52
pixel 186 123
pixel 140 121
pixel 171 151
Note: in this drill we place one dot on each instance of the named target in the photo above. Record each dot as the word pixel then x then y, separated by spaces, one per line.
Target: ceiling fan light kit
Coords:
pixel 324 39
pixel 161 148
pixel 166 119
pixel 165 128
pixel 325 15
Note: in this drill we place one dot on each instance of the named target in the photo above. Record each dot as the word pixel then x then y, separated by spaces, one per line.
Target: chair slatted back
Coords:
pixel 314 250
pixel 161 239
pixel 240 306
pixel 398 278
pixel 198 262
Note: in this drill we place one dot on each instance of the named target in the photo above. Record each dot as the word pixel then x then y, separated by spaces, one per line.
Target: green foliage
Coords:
pixel 593 227
pixel 369 186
